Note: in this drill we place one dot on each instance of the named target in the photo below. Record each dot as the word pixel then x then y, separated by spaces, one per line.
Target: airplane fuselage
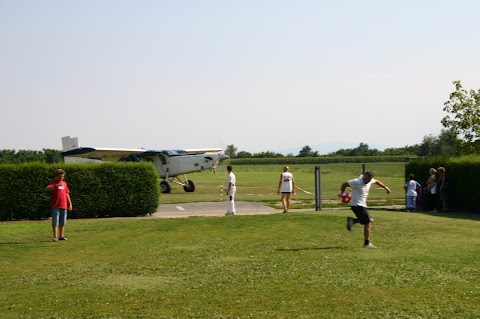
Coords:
pixel 169 163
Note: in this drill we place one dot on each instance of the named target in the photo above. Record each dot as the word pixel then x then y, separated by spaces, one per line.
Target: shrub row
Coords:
pixel 462 175
pixel 317 160
pixel 97 190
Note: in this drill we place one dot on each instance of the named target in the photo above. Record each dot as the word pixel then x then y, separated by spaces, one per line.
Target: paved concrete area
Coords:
pixel 243 208
pixel 211 209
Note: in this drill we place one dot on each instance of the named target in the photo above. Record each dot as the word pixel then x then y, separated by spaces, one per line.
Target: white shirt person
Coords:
pixel 231 190
pixel 286 186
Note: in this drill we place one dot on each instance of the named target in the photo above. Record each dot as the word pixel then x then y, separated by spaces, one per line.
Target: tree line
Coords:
pixel 460 136
pixel 445 144
pixel 49 156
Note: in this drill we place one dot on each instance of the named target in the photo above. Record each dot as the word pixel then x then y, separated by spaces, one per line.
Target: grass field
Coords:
pixel 259 183
pixel 296 265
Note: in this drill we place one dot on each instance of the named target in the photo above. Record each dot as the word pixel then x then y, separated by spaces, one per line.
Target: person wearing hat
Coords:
pixel 286 186
pixel 60 202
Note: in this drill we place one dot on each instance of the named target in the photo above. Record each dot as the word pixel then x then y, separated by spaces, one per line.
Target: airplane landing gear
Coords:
pixel 189 186
pixel 165 187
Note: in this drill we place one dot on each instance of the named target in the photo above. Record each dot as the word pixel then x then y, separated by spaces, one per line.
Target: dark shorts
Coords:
pixel 443 195
pixel 362 214
pixel 286 192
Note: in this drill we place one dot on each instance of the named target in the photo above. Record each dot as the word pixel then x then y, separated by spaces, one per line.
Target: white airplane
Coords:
pixel 169 163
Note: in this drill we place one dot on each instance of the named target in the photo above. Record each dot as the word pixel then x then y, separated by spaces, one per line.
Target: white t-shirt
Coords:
pixel 412 187
pixel 231 179
pixel 360 191
pixel 286 182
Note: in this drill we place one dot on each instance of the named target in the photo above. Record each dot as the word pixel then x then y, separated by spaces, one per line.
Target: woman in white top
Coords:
pixel 432 192
pixel 286 186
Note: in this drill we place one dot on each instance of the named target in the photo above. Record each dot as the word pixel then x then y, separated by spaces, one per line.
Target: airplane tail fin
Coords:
pixel 69 143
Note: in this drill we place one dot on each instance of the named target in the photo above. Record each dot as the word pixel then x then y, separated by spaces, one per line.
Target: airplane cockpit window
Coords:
pixel 163 158
pixel 170 153
pixel 130 158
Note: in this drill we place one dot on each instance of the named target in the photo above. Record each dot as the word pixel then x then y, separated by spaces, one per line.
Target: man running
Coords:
pixel 360 189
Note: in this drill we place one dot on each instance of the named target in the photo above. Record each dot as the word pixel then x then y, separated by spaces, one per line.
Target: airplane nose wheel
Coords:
pixel 165 187
pixel 189 187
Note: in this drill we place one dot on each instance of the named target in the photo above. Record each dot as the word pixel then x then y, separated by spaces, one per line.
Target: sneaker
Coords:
pixel 350 223
pixel 229 213
pixel 55 239
pixel 62 238
pixel 370 245
pixel 285 211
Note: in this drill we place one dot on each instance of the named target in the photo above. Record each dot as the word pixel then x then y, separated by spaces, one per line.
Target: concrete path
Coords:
pixel 211 209
pixel 242 208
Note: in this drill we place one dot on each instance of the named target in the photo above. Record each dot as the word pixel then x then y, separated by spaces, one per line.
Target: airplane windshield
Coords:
pixel 170 153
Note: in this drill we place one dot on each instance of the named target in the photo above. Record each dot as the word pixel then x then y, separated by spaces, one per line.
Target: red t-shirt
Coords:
pixel 59 195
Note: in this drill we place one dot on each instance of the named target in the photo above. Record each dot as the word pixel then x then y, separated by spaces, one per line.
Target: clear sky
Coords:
pixel 259 74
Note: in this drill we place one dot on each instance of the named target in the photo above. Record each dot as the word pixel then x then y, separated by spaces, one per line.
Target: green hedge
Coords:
pixel 97 190
pixel 463 174
pixel 317 160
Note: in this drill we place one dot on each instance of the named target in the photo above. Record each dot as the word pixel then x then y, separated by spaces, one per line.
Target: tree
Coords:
pixel 361 150
pixel 464 116
pixel 364 150
pixel 52 156
pixel 429 145
pixel 27 156
pixel 231 151
pixel 267 154
pixel 306 151
pixel 244 154
pixel 448 144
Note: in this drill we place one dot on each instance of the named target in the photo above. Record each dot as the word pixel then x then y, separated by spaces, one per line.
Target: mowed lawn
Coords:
pixel 295 265
pixel 259 183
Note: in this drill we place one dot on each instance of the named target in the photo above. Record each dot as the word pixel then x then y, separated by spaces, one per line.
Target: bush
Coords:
pixel 97 190
pixel 462 175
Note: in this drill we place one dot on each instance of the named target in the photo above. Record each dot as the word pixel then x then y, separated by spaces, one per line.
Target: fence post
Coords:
pixel 318 189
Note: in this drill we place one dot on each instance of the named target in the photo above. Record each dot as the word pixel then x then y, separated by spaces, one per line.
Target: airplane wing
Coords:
pixel 192 151
pixel 115 154
pixel 170 153
pixel 112 154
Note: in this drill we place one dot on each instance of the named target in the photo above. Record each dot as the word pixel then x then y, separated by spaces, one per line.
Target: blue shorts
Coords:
pixel 362 214
pixel 59 216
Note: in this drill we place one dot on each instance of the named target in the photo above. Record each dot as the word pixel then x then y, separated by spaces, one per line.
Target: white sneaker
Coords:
pixel 55 239
pixel 370 245
pixel 229 213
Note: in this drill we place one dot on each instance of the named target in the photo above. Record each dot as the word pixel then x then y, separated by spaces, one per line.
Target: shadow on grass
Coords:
pixel 7 243
pixel 309 248
pixel 454 214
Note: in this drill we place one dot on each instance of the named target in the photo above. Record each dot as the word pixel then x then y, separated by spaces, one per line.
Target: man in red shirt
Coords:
pixel 60 202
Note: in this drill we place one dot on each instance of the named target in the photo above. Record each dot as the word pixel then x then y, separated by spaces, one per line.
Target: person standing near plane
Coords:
pixel 286 186
pixel 231 189
pixel 60 202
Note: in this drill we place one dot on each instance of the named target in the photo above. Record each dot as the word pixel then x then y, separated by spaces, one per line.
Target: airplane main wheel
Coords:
pixel 189 187
pixel 165 187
